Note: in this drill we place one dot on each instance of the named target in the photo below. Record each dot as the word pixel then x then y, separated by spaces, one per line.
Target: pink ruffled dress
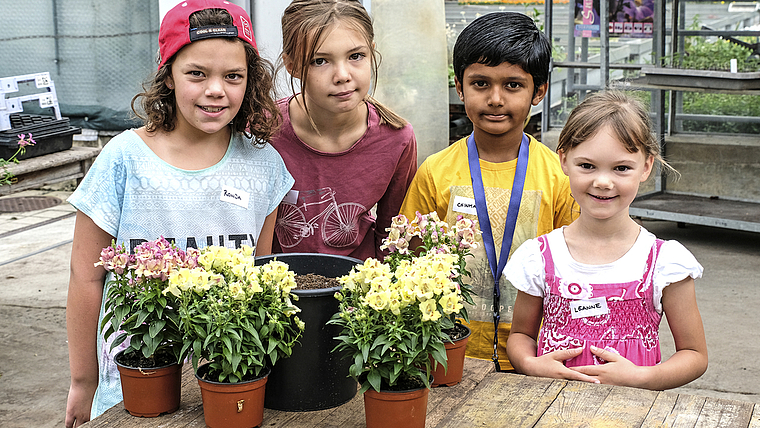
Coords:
pixel 630 327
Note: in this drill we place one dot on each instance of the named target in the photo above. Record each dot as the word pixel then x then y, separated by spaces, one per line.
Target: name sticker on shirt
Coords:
pixel 589 307
pixel 235 196
pixel 464 205
pixel 291 197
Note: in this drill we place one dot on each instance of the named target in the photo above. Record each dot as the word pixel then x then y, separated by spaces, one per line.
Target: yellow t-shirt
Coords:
pixel 443 184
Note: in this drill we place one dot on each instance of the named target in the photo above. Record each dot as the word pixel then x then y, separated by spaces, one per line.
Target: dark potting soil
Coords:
pixel 403 384
pixel 136 359
pixel 210 375
pixel 459 331
pixel 312 281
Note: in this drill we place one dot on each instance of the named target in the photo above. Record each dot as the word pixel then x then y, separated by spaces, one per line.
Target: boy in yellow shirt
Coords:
pixel 501 64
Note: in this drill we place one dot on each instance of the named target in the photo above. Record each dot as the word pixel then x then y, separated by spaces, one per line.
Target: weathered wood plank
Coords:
pixel 487 399
pixel 40 171
pixel 444 400
pixel 505 400
pixel 72 155
pixel 576 402
pixel 721 413
pixel 350 414
pixel 685 412
pixel 625 407
pixel 660 410
pixel 755 420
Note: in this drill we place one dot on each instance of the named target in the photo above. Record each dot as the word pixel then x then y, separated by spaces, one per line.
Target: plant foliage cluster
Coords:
pixel 393 315
pixel 235 314
pixel 214 304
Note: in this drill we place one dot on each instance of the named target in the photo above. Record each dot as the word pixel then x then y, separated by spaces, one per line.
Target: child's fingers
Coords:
pixel 565 354
pixel 583 377
pixel 604 354
pixel 592 370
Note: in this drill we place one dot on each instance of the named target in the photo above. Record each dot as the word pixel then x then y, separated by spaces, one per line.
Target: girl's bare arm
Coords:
pixel 82 309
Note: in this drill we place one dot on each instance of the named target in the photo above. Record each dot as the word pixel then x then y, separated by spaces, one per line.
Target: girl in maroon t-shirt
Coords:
pixel 347 152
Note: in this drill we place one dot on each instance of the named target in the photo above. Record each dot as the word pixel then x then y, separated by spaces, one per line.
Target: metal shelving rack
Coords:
pixel 659 203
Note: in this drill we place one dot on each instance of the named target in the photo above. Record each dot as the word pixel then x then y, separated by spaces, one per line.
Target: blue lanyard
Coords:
pixel 485 221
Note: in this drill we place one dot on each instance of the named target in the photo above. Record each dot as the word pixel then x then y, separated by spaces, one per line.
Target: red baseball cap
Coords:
pixel 175 31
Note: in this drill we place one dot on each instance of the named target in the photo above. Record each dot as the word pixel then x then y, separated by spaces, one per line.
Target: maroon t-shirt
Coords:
pixel 328 209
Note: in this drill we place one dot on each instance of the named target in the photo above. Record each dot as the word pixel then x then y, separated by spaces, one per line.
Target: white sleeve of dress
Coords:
pixel 525 269
pixel 674 263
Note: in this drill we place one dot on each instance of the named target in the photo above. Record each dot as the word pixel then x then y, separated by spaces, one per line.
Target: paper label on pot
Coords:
pixel 235 196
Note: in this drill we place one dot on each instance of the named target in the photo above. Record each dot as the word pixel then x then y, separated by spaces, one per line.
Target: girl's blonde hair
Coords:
pixel 258 115
pixel 303 24
pixel 625 116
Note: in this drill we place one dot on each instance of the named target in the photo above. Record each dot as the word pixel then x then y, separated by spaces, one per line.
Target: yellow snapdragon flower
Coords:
pixel 429 311
pixel 450 303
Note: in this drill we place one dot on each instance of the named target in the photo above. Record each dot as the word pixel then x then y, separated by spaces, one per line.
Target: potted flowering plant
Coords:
pixel 391 319
pixel 137 309
pixel 426 234
pixel 23 142
pixel 239 317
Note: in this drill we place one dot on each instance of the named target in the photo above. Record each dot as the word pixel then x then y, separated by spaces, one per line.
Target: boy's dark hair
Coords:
pixel 499 37
pixel 258 115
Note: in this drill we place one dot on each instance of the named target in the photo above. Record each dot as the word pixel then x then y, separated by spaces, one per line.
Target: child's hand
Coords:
pixel 552 365
pixel 617 371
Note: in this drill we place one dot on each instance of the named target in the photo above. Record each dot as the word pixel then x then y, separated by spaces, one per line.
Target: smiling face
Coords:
pixel 498 99
pixel 209 81
pixel 340 74
pixel 604 175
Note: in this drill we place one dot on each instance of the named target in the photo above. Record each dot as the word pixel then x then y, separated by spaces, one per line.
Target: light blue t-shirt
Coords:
pixel 135 196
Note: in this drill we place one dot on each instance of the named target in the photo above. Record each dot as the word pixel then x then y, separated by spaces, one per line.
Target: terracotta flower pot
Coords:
pixel 149 392
pixel 398 409
pixel 454 360
pixel 232 405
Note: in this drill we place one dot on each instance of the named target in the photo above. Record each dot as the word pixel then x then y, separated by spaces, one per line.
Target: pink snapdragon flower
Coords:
pixel 23 141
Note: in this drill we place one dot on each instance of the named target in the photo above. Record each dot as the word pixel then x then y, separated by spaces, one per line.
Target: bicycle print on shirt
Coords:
pixel 339 223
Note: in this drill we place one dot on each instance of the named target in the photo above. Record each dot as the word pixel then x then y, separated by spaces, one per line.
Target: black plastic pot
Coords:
pixel 313 377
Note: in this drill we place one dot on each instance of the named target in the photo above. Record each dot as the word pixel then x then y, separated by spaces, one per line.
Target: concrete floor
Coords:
pixel 34 257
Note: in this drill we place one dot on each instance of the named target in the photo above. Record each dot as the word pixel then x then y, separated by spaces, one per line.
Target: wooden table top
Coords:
pixel 488 399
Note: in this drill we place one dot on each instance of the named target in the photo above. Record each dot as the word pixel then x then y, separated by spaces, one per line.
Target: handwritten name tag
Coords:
pixel 464 205
pixel 589 307
pixel 235 196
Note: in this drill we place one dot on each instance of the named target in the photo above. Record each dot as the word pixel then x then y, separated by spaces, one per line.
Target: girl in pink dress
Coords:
pixel 591 294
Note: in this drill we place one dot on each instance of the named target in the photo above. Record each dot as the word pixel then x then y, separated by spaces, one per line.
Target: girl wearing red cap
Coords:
pixel 199 172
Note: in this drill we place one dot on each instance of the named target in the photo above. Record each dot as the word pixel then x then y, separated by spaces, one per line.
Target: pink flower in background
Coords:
pixel 23 141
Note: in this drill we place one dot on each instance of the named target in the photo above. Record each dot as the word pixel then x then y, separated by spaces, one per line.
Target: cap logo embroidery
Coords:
pixel 212 31
pixel 246 28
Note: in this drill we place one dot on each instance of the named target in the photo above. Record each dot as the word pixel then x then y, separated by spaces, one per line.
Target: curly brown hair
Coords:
pixel 258 115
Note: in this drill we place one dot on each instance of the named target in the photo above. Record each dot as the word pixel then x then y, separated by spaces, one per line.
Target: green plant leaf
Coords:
pixel 156 327
pixel 374 379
